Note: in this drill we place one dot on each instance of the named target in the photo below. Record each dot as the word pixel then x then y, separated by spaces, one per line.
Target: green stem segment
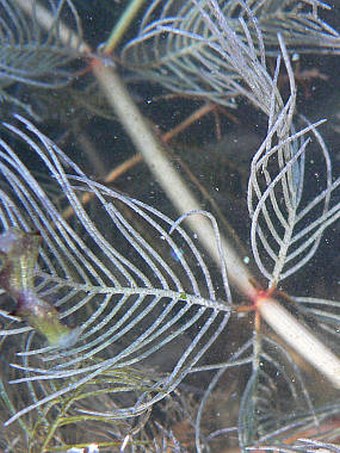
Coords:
pixel 18 254
pixel 123 23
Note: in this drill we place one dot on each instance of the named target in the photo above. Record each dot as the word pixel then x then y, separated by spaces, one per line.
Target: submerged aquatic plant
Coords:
pixel 32 56
pixel 136 300
pixel 207 48
pixel 129 303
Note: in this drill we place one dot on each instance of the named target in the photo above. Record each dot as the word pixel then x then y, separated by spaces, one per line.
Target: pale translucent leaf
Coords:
pixel 216 49
pixel 30 55
pixel 130 288
pixel 288 217
pixel 274 392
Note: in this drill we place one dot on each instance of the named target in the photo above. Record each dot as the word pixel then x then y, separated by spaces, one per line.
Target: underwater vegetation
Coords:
pixel 150 323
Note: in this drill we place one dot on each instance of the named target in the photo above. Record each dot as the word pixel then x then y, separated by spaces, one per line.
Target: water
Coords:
pixel 147 303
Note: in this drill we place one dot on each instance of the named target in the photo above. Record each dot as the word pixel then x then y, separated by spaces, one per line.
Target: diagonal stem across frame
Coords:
pixel 184 201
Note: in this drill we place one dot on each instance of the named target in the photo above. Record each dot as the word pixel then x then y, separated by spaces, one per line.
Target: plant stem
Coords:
pixel 120 28
pixel 301 339
pixel 172 183
pixel 19 253
pixel 146 143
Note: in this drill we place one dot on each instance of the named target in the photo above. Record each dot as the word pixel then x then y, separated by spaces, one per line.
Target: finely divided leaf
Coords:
pixel 133 292
pixel 30 55
pixel 213 48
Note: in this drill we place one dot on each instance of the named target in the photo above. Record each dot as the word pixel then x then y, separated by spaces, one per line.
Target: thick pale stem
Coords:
pixel 172 183
pixel 153 154
pixel 301 339
pixel 274 314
